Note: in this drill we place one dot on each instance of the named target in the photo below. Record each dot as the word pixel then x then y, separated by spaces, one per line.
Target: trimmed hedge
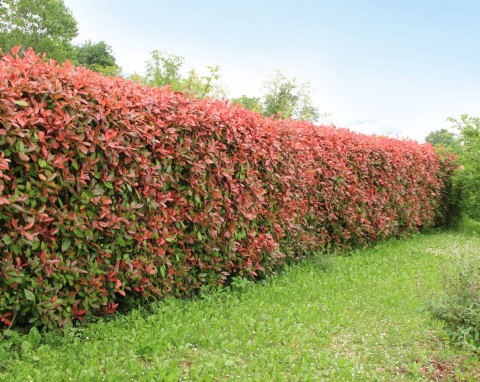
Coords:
pixel 109 189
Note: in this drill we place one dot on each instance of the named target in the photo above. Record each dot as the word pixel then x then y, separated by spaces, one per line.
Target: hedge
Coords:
pixel 109 189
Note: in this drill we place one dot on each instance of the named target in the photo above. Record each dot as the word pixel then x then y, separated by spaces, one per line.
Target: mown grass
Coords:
pixel 361 318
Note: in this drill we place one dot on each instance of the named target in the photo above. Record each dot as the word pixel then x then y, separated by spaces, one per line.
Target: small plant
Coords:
pixel 322 261
pixel 459 306
pixel 240 284
pixel 209 291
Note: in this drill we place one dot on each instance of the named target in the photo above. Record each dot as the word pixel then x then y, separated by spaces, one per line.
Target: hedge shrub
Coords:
pixel 109 189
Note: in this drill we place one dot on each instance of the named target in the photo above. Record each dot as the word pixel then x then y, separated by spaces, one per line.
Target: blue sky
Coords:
pixel 386 67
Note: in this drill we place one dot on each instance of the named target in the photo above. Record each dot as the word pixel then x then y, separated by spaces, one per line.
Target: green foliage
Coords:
pixel 137 78
pixel 98 57
pixel 47 26
pixel 464 196
pixel 453 206
pixel 469 226
pixel 283 98
pixel 201 86
pixel 362 320
pixel 251 103
pixel 467 179
pixel 164 69
pixel 459 304
pixel 444 138
pixel 110 71
pixel 287 98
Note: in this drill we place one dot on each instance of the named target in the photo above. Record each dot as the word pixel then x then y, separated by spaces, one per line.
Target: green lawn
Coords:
pixel 363 318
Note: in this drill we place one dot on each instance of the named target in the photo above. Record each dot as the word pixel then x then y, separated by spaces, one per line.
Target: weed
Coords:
pixel 458 306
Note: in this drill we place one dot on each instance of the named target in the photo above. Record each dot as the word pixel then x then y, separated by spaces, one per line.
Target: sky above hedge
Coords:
pixel 386 67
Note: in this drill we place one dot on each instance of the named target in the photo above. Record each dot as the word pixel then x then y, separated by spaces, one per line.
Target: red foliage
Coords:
pixel 108 189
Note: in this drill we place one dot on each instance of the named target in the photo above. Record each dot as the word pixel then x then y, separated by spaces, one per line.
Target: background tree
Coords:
pixel 252 103
pixel 443 137
pixel 467 179
pixel 202 86
pixel 283 97
pixel 47 26
pixel 164 69
pixel 98 57
pixel 287 98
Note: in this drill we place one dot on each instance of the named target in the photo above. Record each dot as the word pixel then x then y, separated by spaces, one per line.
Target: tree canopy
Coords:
pixel 165 69
pixel 466 145
pixel 468 177
pixel 288 98
pixel 47 26
pixel 252 103
pixel 442 137
pixel 98 57
pixel 283 98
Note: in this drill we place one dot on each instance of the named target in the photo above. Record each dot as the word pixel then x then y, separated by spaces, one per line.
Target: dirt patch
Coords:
pixel 437 370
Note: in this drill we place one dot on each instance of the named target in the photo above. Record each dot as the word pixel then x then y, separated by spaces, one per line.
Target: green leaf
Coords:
pixel 42 163
pixel 29 295
pixel 20 147
pixel 66 244
pixel 7 239
pixel 108 185
pixel 241 234
pixel 21 103
pixel 34 337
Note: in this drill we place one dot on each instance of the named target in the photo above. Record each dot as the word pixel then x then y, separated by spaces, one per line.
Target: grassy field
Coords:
pixel 356 317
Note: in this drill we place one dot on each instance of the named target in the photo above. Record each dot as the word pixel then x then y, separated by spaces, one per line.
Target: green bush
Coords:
pixel 459 305
pixel 467 179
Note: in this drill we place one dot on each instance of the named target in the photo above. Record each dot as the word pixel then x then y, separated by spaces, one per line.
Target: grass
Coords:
pixel 363 318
